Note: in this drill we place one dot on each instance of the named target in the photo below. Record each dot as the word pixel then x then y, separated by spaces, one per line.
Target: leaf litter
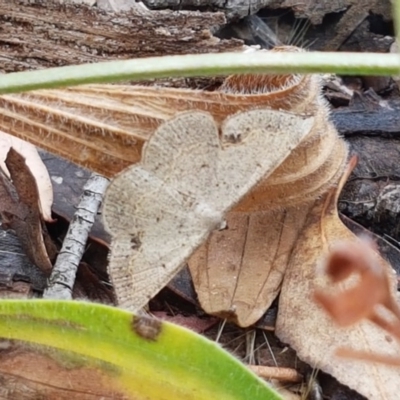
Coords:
pixel 306 183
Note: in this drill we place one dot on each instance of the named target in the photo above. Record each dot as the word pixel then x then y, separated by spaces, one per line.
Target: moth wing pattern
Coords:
pixel 183 152
pixel 162 209
pixel 156 216
pixel 254 144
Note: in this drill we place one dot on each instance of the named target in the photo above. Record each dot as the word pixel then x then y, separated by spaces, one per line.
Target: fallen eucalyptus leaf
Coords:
pixel 308 330
pixel 137 357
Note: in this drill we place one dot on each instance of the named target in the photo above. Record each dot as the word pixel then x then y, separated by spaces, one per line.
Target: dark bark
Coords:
pixel 372 194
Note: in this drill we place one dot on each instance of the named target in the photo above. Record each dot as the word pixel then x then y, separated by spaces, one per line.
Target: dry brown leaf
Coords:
pixel 36 166
pixel 104 127
pixel 305 327
pixel 20 211
pixel 239 271
pixel 49 375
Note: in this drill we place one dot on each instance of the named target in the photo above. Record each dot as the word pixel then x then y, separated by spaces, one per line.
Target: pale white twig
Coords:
pixel 63 275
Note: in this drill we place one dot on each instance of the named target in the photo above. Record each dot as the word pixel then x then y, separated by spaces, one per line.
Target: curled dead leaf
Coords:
pixel 303 325
pixel 35 165
pixel 104 127
pixel 19 208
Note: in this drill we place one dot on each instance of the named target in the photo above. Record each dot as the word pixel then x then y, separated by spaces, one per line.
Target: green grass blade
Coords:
pixel 204 65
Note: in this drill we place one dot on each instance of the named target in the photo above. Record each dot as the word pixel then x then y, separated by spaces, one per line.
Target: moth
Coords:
pixel 192 171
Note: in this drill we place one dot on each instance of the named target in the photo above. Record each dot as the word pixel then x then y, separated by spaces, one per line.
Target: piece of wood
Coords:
pixel 331 23
pixel 234 9
pixel 370 197
pixel 315 10
pixel 41 34
pixel 381 121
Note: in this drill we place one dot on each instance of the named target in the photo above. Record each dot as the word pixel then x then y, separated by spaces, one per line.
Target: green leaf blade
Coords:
pixel 176 364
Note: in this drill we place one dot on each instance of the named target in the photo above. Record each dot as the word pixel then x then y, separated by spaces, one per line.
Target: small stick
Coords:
pixel 62 278
pixel 281 374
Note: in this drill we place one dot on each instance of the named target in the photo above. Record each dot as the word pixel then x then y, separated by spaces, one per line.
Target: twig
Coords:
pixel 220 330
pixel 281 374
pixel 250 346
pixel 63 275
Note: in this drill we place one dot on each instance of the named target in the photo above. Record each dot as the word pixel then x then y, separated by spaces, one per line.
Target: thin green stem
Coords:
pixel 396 18
pixel 203 65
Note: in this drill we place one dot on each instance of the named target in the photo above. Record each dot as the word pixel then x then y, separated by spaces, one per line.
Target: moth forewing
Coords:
pixel 189 144
pixel 265 138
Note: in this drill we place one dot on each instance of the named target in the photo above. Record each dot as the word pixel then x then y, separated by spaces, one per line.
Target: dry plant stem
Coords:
pixel 63 275
pixel 281 374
